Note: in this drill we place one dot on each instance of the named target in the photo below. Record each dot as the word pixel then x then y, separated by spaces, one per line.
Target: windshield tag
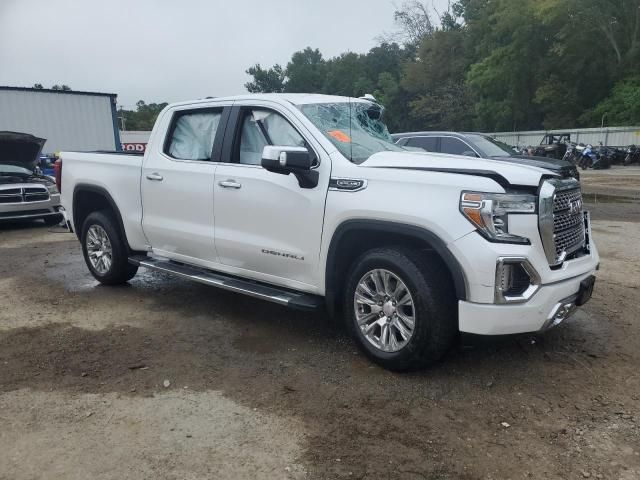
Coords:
pixel 340 136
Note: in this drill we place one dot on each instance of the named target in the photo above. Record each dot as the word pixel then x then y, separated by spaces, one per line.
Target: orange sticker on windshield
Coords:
pixel 340 136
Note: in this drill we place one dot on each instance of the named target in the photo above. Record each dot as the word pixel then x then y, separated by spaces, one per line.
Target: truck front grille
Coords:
pixel 562 224
pixel 24 194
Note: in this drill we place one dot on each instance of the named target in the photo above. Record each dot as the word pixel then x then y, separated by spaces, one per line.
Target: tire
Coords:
pixel 114 268
pixel 431 290
pixel 52 220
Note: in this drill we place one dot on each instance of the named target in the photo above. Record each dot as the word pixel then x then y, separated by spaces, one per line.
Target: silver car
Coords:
pixel 24 192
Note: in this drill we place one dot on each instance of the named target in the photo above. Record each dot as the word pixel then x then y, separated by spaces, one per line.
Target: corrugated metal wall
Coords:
pixel 614 136
pixel 68 121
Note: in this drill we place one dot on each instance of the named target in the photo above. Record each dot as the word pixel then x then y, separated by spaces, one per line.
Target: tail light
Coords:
pixel 57 170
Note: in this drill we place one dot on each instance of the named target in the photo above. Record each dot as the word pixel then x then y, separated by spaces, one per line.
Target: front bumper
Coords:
pixel 552 302
pixel 542 311
pixel 31 210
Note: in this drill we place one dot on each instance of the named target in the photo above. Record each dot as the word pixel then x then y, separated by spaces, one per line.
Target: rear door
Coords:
pixel 267 226
pixel 177 184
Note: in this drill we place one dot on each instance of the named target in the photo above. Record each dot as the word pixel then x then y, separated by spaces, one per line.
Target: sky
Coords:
pixel 168 50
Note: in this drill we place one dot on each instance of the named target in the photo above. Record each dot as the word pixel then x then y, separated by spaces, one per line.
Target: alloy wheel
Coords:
pixel 385 311
pixel 99 249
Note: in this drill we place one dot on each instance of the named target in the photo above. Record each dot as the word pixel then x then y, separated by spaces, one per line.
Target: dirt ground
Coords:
pixel 166 379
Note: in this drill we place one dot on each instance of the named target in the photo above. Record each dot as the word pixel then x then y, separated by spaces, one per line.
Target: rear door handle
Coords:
pixel 230 184
pixel 155 176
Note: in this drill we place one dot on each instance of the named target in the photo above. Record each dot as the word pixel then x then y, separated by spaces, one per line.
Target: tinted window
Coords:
pixel 192 134
pixel 430 144
pixel 453 146
pixel 491 146
pixel 265 127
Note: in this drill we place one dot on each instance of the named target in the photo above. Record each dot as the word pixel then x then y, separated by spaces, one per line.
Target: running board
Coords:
pixel 288 298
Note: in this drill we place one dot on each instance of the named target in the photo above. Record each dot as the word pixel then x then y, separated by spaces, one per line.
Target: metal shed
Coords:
pixel 69 120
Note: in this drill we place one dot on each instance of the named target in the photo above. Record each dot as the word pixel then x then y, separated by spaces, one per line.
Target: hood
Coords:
pixel 505 173
pixel 561 167
pixel 20 149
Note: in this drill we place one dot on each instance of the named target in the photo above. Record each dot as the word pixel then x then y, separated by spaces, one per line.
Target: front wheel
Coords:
pixel 400 307
pixel 104 249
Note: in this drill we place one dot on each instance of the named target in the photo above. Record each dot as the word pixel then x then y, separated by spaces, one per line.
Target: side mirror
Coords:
pixel 297 160
pixel 469 153
pixel 286 159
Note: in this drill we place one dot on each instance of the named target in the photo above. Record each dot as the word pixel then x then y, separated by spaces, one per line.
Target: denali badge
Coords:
pixel 347 184
pixel 280 254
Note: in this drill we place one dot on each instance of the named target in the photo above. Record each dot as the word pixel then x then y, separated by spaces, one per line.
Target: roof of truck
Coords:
pixel 294 98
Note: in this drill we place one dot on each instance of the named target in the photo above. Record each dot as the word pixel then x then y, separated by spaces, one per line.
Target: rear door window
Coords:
pixel 430 144
pixel 192 134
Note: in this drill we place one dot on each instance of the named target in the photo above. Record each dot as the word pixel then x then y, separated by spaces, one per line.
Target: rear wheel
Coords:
pixel 104 249
pixel 400 307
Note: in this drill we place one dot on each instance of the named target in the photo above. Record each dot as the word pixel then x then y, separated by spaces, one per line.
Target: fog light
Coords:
pixel 516 280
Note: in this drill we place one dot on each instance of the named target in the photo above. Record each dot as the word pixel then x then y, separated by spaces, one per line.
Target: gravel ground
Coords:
pixel 167 379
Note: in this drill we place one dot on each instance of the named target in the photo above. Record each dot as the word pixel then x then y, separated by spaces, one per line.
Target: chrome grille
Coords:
pixel 24 194
pixel 562 224
pixel 563 199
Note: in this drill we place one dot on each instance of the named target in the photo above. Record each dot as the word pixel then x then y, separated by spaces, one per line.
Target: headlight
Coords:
pixel 489 212
pixel 52 189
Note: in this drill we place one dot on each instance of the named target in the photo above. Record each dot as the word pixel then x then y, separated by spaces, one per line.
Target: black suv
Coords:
pixel 479 145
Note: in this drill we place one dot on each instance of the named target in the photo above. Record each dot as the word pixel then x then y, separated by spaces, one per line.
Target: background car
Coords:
pixel 481 146
pixel 25 193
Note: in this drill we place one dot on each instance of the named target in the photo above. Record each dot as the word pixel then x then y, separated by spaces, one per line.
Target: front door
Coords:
pixel 266 225
pixel 177 187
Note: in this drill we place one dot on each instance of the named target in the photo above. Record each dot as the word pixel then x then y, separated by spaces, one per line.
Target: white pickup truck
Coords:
pixel 304 200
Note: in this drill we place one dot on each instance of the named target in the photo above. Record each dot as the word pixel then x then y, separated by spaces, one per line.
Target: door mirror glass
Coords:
pixel 284 159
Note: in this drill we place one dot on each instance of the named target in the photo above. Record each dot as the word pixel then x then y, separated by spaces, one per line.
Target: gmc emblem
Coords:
pixel 575 206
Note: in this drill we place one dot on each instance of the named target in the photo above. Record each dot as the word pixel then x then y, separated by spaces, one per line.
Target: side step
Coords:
pixel 288 298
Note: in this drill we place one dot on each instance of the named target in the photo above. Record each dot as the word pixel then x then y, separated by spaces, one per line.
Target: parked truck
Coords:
pixel 304 200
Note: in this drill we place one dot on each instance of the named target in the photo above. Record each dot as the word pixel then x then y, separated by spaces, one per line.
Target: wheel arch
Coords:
pixel 353 237
pixel 89 198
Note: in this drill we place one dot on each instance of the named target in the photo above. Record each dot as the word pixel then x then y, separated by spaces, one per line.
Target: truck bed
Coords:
pixel 115 173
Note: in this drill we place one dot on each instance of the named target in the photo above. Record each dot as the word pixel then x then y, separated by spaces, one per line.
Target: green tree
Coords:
pixel 487 64
pixel 143 117
pixel 345 75
pixel 306 71
pixel 436 80
pixel 503 81
pixel 614 22
pixel 271 80
pixel 622 107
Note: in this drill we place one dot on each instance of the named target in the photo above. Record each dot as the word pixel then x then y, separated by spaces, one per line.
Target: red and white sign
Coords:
pixel 134 147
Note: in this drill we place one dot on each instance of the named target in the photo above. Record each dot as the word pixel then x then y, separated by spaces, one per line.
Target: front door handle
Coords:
pixel 230 184
pixel 155 176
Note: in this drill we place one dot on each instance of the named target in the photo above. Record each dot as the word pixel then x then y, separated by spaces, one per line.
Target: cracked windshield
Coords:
pixel 355 128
